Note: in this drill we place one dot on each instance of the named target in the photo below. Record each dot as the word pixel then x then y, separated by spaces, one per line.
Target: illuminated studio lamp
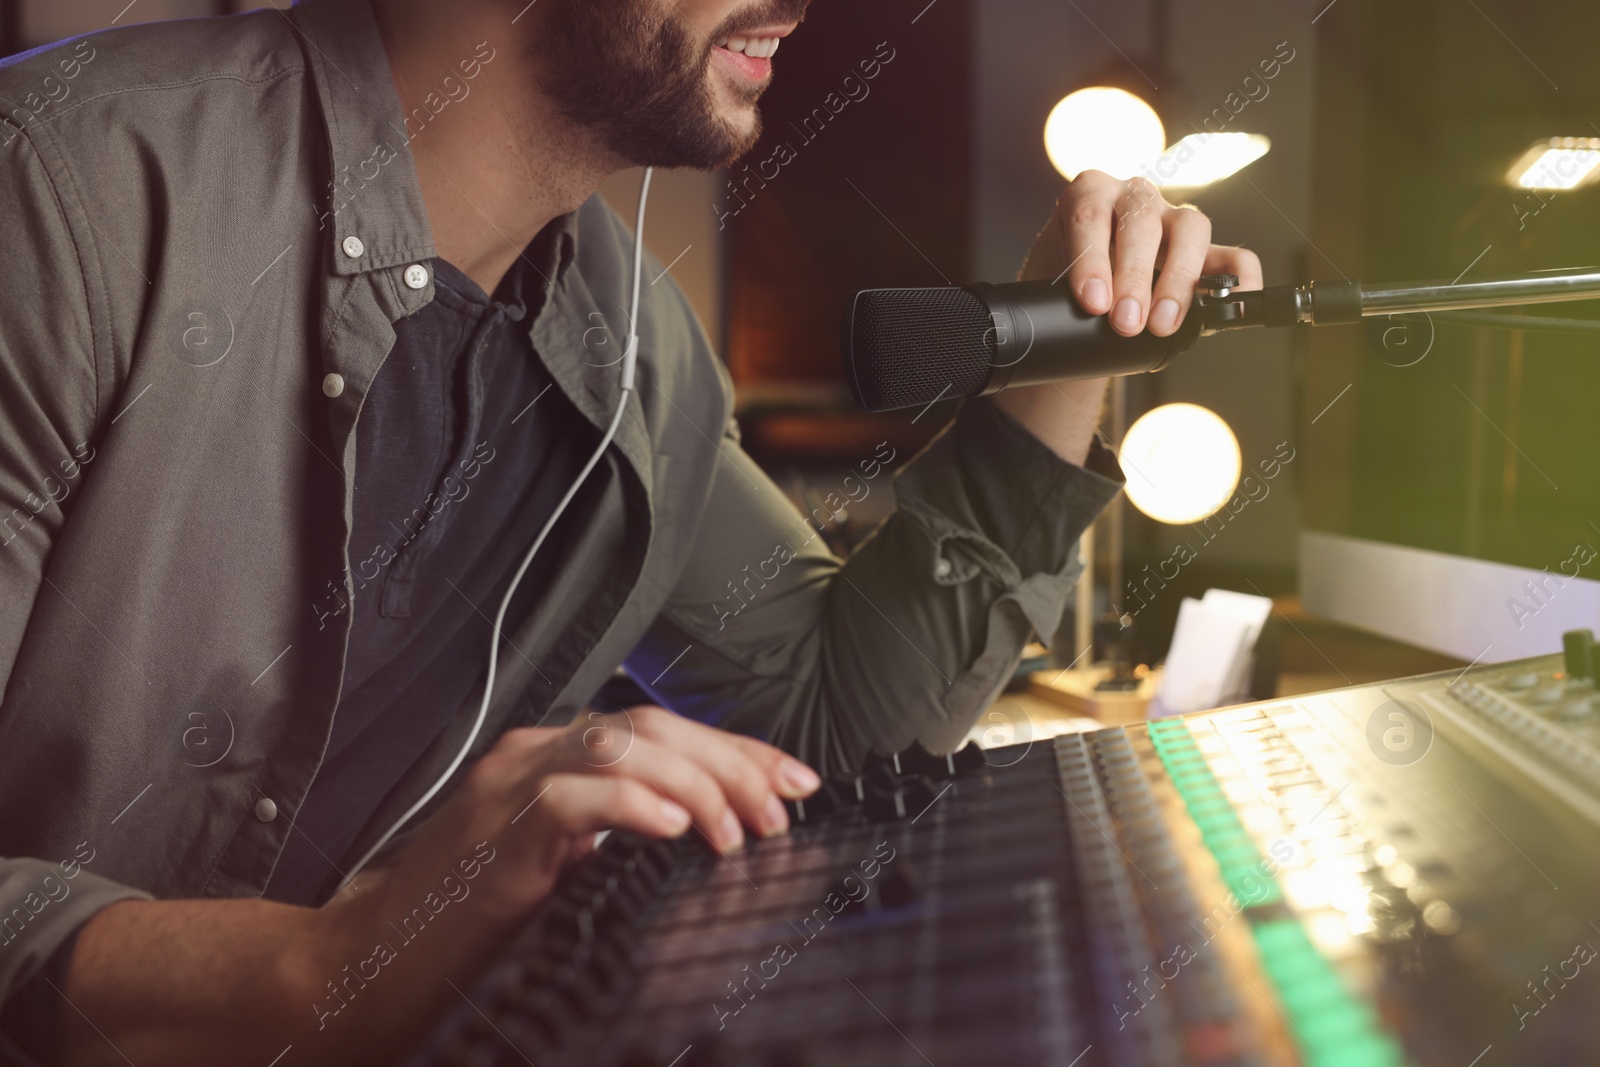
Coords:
pixel 1182 463
pixel 1202 159
pixel 1104 129
pixel 1114 131
pixel 1559 163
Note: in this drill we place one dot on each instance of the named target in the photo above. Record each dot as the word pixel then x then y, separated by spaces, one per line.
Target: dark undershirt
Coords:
pixel 463 449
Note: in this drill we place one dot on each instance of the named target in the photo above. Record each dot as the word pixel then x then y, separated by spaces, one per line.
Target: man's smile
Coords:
pixel 750 52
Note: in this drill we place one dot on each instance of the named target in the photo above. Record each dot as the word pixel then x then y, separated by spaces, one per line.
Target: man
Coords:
pixel 292 368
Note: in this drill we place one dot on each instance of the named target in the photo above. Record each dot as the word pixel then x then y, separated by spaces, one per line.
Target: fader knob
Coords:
pixel 917 760
pixel 1577 648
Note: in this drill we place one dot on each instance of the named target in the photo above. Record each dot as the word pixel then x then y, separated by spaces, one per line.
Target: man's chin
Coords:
pixel 738 130
pixel 704 130
pixel 744 131
pixel 710 154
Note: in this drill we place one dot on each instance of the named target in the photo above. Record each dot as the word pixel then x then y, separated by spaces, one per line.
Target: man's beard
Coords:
pixel 635 73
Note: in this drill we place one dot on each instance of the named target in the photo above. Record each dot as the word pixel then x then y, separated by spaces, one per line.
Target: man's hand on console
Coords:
pixel 645 770
pixel 361 979
pixel 1104 242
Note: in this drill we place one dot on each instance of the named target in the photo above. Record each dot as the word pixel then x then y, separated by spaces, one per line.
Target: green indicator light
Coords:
pixel 1336 1026
pixel 1331 1027
pixel 1224 827
pixel 1209 802
pixel 1372 1050
pixel 1235 851
pixel 1253 893
pixel 1310 994
pixel 1235 868
pixel 1225 838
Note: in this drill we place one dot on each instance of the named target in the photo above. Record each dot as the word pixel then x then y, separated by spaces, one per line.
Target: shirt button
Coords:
pixel 333 385
pixel 353 247
pixel 416 276
pixel 942 569
pixel 266 810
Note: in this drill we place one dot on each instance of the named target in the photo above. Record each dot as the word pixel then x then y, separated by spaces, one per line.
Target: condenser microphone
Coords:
pixel 906 347
pixel 909 347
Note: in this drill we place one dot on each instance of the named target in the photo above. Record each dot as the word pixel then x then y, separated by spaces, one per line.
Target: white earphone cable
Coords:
pixel 629 360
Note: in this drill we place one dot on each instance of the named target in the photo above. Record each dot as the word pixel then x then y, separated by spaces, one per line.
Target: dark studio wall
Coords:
pixel 861 179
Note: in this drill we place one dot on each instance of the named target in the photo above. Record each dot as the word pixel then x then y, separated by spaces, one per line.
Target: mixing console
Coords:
pixel 1404 873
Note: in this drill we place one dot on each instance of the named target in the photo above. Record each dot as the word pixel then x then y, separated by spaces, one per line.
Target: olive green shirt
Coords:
pixel 210 228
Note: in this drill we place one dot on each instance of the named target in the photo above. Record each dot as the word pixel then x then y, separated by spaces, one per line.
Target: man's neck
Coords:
pixel 497 161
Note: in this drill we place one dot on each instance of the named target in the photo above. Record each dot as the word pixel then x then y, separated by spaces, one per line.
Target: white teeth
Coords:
pixel 754 47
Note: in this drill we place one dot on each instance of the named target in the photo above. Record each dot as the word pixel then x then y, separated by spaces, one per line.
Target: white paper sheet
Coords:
pixel 1207 647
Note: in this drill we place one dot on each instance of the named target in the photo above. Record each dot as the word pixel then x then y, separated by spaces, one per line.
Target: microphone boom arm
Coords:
pixel 1330 303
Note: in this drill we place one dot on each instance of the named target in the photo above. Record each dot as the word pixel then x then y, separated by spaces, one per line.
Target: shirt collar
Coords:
pixel 548 257
pixel 373 213
pixel 566 244
pixel 527 282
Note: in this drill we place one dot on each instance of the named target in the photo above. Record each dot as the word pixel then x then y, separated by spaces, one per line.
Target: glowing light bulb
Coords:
pixel 1182 463
pixel 1103 129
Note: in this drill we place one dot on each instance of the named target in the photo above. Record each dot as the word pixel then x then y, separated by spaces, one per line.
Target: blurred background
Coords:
pixel 906 146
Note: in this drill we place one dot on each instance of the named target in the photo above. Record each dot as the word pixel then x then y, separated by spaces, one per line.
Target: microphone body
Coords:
pixel 909 347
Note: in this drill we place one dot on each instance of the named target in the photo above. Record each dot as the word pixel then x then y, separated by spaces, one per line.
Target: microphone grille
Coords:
pixel 912 346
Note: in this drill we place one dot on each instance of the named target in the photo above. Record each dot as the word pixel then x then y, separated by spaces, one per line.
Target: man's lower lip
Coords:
pixel 754 69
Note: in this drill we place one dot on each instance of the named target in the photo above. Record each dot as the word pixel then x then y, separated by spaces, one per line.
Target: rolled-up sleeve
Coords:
pixel 909 639
pixel 42 904
pixel 1013 512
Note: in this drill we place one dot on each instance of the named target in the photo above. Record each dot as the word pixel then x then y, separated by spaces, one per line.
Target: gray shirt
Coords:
pixel 210 229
